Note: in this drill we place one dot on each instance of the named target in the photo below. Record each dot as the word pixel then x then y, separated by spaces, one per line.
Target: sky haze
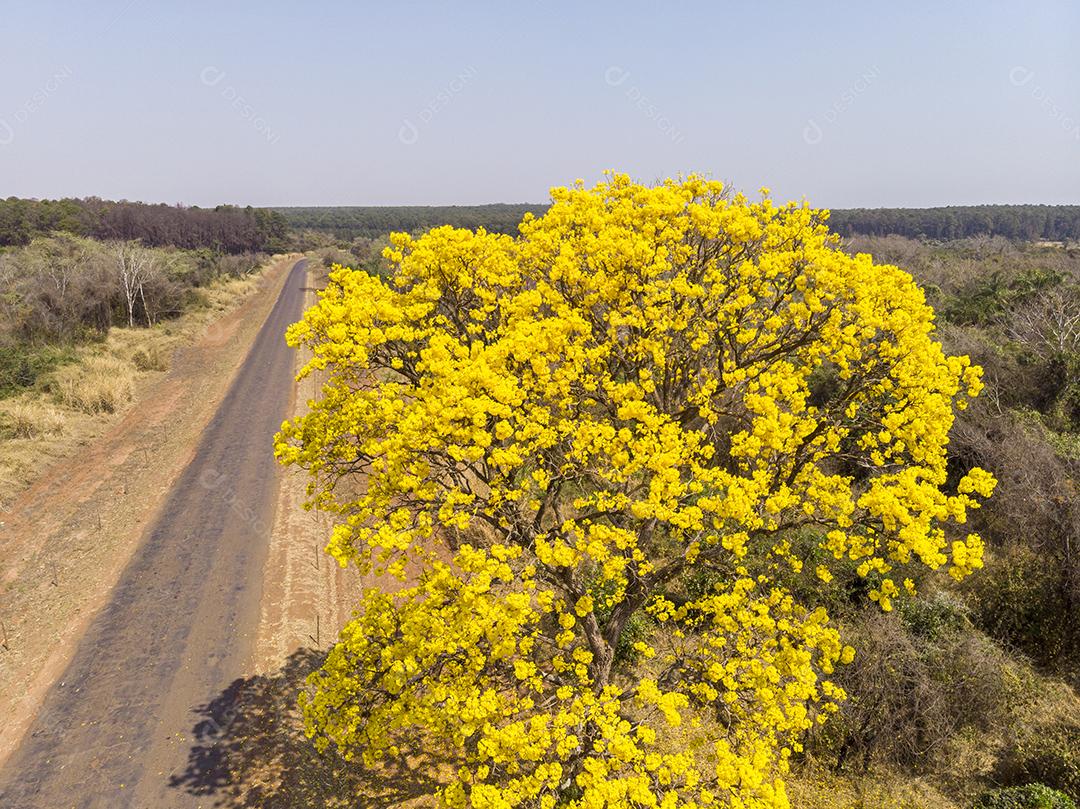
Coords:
pixel 272 103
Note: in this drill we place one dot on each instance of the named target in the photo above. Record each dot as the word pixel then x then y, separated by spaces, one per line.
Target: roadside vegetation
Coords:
pixel 71 269
pixel 63 292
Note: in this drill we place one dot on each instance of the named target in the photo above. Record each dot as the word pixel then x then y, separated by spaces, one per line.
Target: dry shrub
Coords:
pixel 333 255
pixel 918 682
pixel 1029 595
pixel 100 384
pixel 30 419
pixel 150 358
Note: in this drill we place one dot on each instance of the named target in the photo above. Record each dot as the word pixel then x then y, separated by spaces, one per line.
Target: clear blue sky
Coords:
pixel 272 103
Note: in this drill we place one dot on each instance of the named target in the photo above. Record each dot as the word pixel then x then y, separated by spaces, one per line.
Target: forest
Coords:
pixel 1057 223
pixel 349 222
pixel 1014 222
pixel 232 229
pixel 226 228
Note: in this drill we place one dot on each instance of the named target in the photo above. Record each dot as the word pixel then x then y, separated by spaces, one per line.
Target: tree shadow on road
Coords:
pixel 249 750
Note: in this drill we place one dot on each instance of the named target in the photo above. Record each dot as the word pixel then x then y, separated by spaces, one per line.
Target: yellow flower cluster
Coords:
pixel 646 380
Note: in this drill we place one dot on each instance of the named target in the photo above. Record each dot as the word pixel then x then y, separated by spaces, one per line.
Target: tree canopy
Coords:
pixel 586 452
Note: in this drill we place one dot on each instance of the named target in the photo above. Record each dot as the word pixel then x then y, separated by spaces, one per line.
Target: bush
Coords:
pixel 1029 796
pixel 29 420
pixel 919 680
pixel 1029 593
pixel 935 615
pixel 21 365
pixel 150 359
pixel 1050 757
pixel 237 266
pixel 333 255
pixel 1018 600
pixel 101 384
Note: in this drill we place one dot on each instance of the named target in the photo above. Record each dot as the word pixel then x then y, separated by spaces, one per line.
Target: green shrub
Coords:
pixel 21 365
pixel 1017 600
pixel 1029 796
pixel 640 627
pixel 933 615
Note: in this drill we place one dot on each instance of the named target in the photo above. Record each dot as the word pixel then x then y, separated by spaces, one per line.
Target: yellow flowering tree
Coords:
pixel 548 438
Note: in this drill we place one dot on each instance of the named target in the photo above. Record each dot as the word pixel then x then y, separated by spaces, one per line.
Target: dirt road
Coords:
pixel 180 623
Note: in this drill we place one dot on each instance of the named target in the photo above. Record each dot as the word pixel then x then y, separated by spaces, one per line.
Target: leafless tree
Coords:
pixel 135 266
pixel 1049 324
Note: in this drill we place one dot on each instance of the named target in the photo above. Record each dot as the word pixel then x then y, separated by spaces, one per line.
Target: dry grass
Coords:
pixel 150 358
pixel 220 296
pixel 30 418
pixel 823 789
pixel 98 384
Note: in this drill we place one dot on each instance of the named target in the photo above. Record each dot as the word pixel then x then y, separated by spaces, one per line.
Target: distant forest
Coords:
pixel 226 229
pixel 1057 223
pixel 229 229
pixel 1013 222
pixel 371 222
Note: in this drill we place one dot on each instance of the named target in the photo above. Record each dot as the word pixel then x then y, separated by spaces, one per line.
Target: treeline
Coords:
pixel 225 229
pixel 1059 223
pixel 1013 222
pixel 230 229
pixel 371 222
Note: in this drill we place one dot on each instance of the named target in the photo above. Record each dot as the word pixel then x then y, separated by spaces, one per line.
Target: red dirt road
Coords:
pixel 180 624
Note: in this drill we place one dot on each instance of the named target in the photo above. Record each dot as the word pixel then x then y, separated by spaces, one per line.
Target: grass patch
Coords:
pixel 29 419
pixel 99 384
pixel 223 293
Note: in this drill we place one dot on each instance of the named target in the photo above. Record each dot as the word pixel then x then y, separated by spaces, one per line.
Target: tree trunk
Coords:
pixel 146 311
